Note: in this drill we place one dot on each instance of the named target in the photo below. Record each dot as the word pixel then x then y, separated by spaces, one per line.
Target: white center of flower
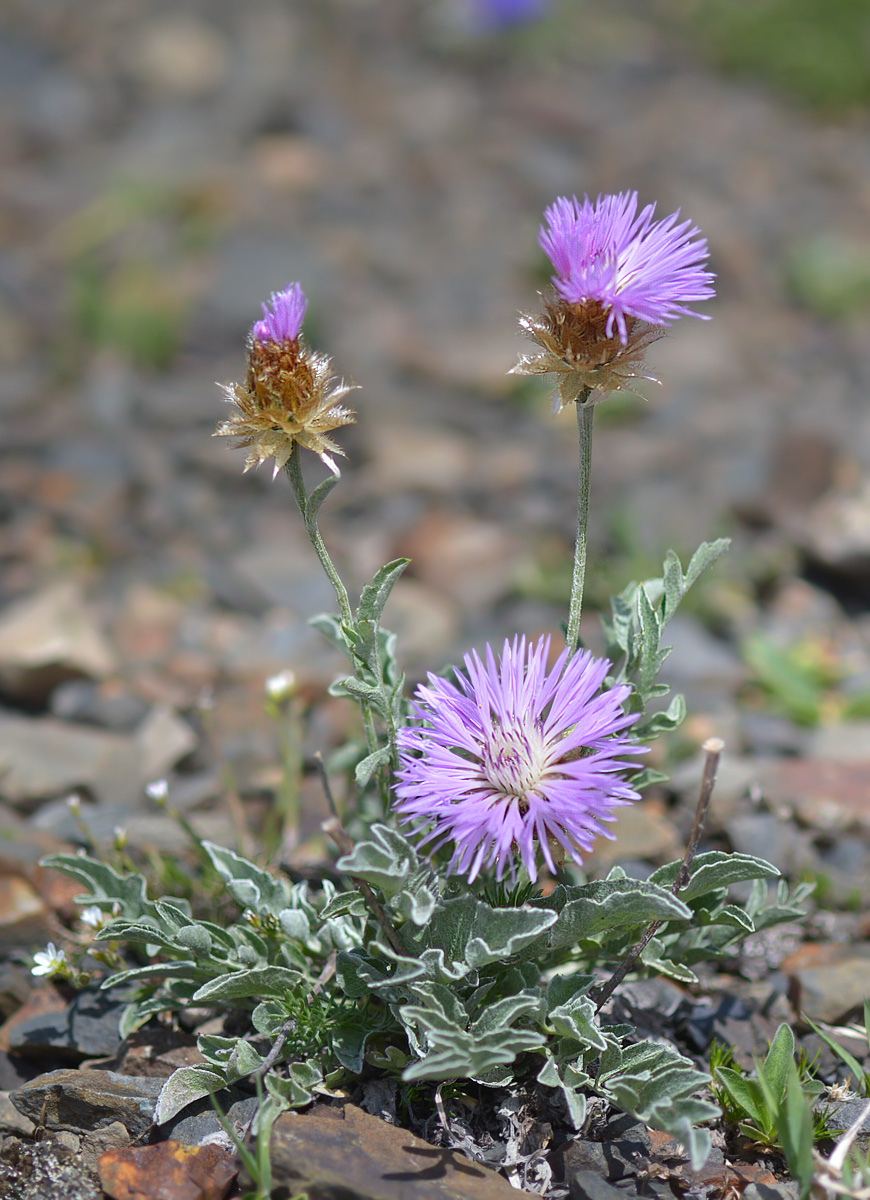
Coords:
pixel 513 759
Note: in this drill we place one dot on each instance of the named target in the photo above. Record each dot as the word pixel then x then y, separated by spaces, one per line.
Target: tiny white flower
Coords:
pixel 74 803
pixel 281 687
pixel 157 791
pixel 120 837
pixel 49 961
pixel 94 917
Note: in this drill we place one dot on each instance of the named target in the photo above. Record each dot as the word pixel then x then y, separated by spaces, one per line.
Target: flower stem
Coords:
pixel 585 414
pixel 294 474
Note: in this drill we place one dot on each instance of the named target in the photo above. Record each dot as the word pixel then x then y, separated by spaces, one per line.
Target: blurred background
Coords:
pixel 168 165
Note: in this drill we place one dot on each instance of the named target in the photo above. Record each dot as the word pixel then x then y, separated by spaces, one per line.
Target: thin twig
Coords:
pixel 327 789
pixel 339 835
pixel 712 748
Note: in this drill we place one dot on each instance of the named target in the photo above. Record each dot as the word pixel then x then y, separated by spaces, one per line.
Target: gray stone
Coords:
pixel 88 1028
pixel 44 1171
pixel 13 1121
pixel 84 1100
pixel 86 702
pixel 98 1141
pixel 199 1123
pixel 589 1185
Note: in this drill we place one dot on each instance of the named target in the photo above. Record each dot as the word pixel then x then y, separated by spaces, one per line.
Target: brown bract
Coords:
pixel 574 346
pixel 289 395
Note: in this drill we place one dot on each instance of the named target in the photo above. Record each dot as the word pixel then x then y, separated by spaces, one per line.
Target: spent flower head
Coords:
pixel 514 758
pixel 619 278
pixel 290 395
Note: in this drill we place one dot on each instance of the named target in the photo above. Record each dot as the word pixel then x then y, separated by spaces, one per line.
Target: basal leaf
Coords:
pixel 183 1087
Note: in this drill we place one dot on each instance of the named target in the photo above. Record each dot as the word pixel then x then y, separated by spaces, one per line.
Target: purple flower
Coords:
pixel 284 322
pixel 500 14
pixel 514 757
pixel 633 266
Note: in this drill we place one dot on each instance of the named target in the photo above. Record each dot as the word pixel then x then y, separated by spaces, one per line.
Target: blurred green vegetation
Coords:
pixel 133 264
pixel 804 681
pixel 815 51
pixel 830 275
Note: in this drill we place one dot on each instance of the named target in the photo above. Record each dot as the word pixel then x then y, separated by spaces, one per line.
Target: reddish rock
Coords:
pixel 166 1171
pixel 825 794
pixel 44 999
pixel 345 1151
pixel 24 918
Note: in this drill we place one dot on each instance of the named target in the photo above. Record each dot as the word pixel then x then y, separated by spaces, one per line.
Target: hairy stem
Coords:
pixel 585 413
pixel 294 474
pixel 712 748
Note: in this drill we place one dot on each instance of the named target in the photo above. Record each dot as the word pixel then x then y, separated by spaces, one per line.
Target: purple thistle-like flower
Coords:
pixel 631 265
pixel 501 14
pixel 513 757
pixel 283 322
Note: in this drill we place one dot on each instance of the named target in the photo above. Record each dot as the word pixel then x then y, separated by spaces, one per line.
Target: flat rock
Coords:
pixel 84 1100
pixel 167 1171
pixel 345 1152
pixel 48 638
pixel 41 758
pixel 641 831
pixel 86 1028
pixel 830 980
pixel 24 918
pixel 825 793
pixel 13 1121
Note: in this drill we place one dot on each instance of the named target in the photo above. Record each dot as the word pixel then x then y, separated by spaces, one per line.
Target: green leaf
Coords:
pixel 160 970
pixel 105 885
pixel 183 1087
pixel 704 557
pixel 386 860
pixel 673 585
pixel 317 496
pixel 375 594
pixel 607 905
pixel 249 885
pixel 371 764
pixel 744 1093
pixel 358 689
pixel 780 1054
pixel 714 870
pixel 261 982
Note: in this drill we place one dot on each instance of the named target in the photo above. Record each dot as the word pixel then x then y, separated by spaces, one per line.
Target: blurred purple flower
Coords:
pixel 501 14
pixel 514 757
pixel 284 322
pixel 633 266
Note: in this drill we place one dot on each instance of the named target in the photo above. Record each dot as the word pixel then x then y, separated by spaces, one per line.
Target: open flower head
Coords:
pixel 50 962
pixel 619 278
pixel 513 759
pixel 290 395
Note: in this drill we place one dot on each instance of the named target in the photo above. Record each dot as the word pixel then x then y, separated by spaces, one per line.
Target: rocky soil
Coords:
pixel 168 165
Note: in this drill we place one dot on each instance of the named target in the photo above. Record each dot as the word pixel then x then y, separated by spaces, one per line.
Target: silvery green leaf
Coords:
pixel 332 629
pixel 386 860
pixel 348 1044
pixel 248 884
pixel 577 1019
pixel 294 924
pixel 344 903
pixel 415 903
pixel 432 965
pixel 317 496
pixel 504 1012
pixel 105 884
pixel 243 1061
pixel 375 594
pixel 476 933
pixel 268 1018
pixel 358 689
pixel 607 905
pixel 653 956
pixel 164 970
pixel 265 982
pixel 673 585
pixel 356 975
pixel 371 764
pixel 183 1087
pixel 563 988
pixel 661 722
pixel 655 1084
pixel 704 557
pixel 195 938
pixel 715 870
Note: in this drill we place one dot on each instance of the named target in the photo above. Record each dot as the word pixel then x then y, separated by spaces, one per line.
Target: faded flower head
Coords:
pixel 513 758
pixel 290 395
pixel 619 278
